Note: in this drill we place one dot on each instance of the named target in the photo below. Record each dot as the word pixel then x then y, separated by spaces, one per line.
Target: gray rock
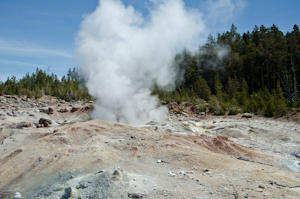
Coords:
pixel 152 123
pixel 43 120
pixel 68 193
pixel 247 115
pixel 17 195
pixel 297 154
pixel 2 114
pixel 23 124
pixel 9 113
pixel 47 110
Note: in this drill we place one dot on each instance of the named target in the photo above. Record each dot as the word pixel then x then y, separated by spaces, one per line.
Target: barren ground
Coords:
pixel 186 156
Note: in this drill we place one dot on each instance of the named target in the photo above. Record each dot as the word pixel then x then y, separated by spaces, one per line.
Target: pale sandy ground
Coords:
pixel 182 157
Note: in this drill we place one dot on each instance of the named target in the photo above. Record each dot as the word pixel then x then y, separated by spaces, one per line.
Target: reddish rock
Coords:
pixel 75 108
pixel 39 125
pixel 46 124
pixel 90 107
pixel 50 110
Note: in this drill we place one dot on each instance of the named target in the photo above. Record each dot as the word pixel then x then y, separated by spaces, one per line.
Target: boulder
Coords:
pixel 90 107
pixel 247 115
pixel 50 110
pixel 24 124
pixel 43 120
pixel 47 110
pixel 75 108
pixel 46 124
pixel 9 114
pixel 63 110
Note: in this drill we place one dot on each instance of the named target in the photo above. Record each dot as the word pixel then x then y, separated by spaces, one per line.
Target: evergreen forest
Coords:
pixel 256 72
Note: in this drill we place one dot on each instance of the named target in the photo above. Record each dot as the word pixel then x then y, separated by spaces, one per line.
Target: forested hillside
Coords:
pixel 70 87
pixel 255 72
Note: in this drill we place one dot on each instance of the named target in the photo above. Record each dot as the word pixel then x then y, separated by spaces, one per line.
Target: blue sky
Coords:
pixel 41 33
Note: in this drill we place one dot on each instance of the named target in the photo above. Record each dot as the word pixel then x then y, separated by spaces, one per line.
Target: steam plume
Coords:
pixel 123 54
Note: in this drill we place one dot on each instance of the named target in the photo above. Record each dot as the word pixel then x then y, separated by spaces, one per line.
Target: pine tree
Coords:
pixel 280 102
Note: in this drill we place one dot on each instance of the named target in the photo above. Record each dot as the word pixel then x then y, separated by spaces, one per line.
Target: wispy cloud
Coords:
pixel 19 63
pixel 223 10
pixel 29 65
pixel 21 48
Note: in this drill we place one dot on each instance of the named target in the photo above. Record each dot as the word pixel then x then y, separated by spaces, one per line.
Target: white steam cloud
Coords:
pixel 122 55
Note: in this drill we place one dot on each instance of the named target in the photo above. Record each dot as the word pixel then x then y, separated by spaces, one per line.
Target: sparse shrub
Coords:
pixel 202 108
pixel 281 108
pixel 202 89
pixel 252 106
pixel 233 110
pixel 216 107
pixel 270 107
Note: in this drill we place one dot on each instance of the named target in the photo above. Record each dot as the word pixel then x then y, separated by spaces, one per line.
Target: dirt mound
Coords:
pixel 292 116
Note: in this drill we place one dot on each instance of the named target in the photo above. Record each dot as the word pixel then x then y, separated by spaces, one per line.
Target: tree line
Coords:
pixel 70 87
pixel 254 72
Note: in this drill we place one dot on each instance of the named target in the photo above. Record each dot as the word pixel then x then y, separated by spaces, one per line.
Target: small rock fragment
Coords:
pixel 172 174
pixel 101 171
pixel 50 110
pixel 39 125
pixel 17 195
pixel 46 124
pixel 63 110
pixel 136 195
pixel 261 186
pixel 116 172
pixel 297 154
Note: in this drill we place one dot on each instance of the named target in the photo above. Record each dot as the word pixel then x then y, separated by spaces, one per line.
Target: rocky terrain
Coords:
pixel 52 149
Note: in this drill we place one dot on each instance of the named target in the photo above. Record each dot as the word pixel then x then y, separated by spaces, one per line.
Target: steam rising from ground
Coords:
pixel 123 55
